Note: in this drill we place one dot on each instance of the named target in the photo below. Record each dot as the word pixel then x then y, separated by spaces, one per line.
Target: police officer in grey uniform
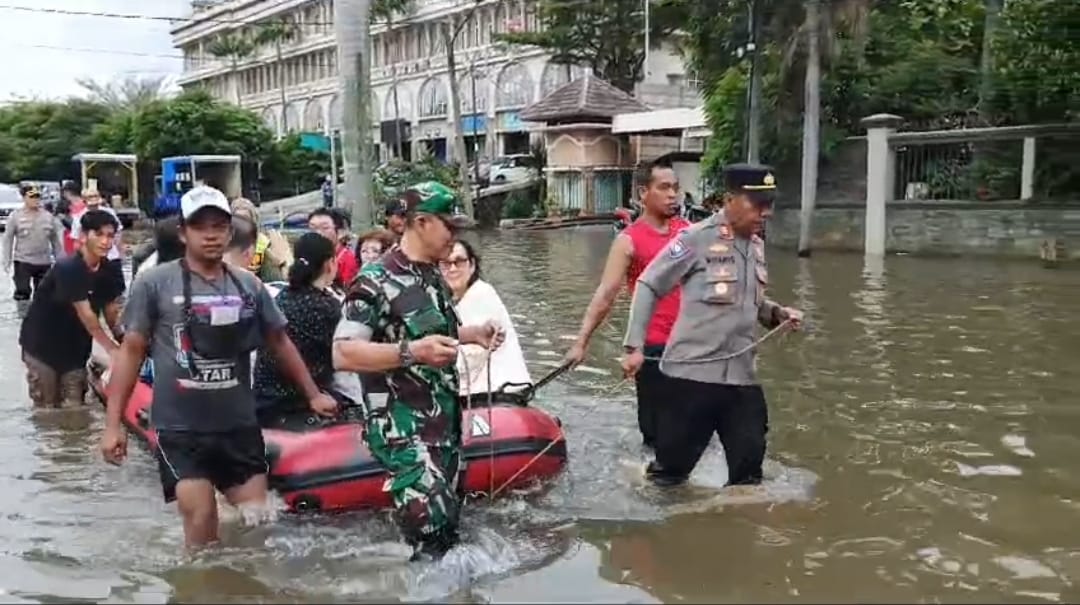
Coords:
pixel 720 265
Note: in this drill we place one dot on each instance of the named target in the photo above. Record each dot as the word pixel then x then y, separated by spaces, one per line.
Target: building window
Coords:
pixel 399 104
pixel 514 87
pixel 465 85
pixel 556 75
pixel 432 98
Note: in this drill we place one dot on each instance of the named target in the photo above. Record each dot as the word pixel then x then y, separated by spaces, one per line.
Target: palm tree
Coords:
pixel 277 32
pixel 127 93
pixel 234 46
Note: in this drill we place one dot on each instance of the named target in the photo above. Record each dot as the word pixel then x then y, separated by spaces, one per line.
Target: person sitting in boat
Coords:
pixel 313 313
pixel 372 245
pixel 165 247
pixel 331 225
pixel 476 303
pixel 272 255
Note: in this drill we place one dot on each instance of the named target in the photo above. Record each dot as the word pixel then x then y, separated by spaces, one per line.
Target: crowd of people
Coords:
pixel 238 331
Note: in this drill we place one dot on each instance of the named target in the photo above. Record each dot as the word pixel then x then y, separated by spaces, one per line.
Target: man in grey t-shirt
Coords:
pixel 199 319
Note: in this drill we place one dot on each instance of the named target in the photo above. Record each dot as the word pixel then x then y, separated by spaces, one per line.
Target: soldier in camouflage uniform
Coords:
pixel 399 322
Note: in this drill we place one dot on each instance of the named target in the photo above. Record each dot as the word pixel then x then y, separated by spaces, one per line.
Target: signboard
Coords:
pixel 315 141
pixel 473 123
pixel 510 121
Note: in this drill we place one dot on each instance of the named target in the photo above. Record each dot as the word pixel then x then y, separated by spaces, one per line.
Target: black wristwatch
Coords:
pixel 405 355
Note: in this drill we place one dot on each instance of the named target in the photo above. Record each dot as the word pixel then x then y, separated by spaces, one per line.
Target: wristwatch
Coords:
pixel 405 355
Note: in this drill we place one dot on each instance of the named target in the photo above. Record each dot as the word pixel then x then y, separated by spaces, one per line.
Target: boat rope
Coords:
pixel 495 491
pixel 728 356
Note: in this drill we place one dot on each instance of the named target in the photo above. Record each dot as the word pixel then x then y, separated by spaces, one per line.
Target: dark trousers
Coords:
pixel 649 385
pixel 27 278
pixel 689 417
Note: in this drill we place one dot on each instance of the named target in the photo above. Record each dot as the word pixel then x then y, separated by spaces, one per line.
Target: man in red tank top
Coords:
pixel 632 251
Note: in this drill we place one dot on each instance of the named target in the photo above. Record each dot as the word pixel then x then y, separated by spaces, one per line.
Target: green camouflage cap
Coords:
pixel 431 197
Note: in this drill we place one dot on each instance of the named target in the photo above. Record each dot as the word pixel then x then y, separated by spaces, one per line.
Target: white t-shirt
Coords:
pixel 481 304
pixel 76 228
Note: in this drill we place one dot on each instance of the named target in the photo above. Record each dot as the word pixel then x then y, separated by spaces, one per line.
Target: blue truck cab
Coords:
pixel 181 173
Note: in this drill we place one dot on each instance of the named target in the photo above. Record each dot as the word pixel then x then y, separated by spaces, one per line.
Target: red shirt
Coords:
pixel 347 267
pixel 648 242
pixel 75 212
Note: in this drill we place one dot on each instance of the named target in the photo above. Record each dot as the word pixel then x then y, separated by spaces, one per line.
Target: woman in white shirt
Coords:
pixel 476 302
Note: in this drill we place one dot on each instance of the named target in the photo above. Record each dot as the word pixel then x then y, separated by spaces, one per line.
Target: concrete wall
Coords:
pixel 986 228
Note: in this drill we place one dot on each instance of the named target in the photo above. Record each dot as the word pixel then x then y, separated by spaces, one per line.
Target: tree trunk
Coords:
pixel 811 124
pixel 986 68
pixel 352 30
pixel 281 90
pixel 753 126
pixel 455 118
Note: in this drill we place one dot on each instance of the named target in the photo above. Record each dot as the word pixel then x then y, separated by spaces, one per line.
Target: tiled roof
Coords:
pixel 586 97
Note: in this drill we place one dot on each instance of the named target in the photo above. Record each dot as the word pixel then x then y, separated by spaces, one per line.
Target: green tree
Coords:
pixel 234 46
pixel 291 169
pixel 606 36
pixel 191 123
pixel 37 139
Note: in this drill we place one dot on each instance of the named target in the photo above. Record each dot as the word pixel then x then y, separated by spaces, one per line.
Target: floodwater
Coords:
pixel 920 445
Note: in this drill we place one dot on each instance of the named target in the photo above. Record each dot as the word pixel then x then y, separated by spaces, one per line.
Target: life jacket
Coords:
pixel 262 244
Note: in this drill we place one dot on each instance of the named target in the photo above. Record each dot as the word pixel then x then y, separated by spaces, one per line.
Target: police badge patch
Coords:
pixel 678 249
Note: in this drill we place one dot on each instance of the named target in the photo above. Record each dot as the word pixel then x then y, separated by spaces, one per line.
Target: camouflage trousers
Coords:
pixel 423 481
pixel 49 388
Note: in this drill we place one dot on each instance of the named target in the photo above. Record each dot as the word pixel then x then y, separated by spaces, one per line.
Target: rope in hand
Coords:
pixel 728 356
pixel 493 492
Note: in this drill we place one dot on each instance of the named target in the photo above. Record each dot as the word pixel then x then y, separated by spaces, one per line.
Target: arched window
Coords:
pixel 432 98
pixel 465 92
pixel 556 75
pixel 336 116
pixel 514 87
pixel 271 118
pixel 313 117
pixel 404 104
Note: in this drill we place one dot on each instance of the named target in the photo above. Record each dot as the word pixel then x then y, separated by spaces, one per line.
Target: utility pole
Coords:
pixel 352 27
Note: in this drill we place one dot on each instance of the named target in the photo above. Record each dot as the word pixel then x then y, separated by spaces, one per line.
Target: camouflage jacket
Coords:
pixel 395 299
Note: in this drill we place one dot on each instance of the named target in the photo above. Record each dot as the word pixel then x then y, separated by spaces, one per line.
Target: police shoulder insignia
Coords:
pixel 678 249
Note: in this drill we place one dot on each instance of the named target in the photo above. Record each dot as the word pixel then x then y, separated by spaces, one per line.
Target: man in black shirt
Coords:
pixel 63 319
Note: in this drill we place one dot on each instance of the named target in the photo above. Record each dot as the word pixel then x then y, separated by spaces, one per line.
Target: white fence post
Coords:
pixel 1027 171
pixel 880 175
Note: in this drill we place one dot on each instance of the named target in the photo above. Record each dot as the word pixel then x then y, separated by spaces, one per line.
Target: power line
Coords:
pixel 135 16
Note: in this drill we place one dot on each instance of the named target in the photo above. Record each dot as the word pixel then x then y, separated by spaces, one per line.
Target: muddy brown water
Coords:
pixel 923 448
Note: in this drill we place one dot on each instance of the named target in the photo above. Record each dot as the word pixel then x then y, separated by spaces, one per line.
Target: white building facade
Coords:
pixel 410 84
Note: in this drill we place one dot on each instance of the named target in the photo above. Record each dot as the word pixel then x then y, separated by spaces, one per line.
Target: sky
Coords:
pixel 108 45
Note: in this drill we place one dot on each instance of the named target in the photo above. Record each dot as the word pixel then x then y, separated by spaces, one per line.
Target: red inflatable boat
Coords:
pixel 328 468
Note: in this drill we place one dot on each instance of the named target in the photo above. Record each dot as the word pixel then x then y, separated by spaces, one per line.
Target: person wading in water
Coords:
pixel 399 321
pixel 709 362
pixel 199 319
pixel 633 249
pixel 64 318
pixel 32 239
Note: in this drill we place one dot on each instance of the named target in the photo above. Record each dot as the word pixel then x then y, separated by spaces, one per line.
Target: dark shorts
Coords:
pixel 651 392
pixel 226 460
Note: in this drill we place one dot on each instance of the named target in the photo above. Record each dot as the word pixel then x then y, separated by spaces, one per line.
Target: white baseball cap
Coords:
pixel 201 197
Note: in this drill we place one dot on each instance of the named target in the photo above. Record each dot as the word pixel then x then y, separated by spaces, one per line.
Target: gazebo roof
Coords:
pixel 585 98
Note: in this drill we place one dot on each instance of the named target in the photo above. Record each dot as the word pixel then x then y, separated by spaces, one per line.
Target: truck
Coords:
pixel 181 173
pixel 116 177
